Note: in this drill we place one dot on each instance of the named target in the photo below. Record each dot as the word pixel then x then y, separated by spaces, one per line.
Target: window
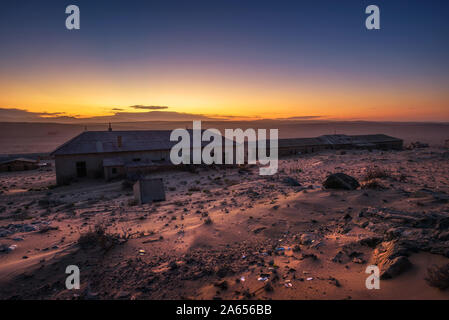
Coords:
pixel 114 170
pixel 136 159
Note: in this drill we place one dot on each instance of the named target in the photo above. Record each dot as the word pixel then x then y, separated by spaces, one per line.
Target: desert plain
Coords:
pixel 228 233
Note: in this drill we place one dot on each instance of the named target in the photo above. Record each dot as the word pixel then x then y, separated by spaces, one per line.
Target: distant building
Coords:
pixel 19 164
pixel 116 154
pixel 338 141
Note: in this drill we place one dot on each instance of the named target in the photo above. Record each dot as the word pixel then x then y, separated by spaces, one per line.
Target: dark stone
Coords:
pixel 291 182
pixel 341 181
pixel 370 241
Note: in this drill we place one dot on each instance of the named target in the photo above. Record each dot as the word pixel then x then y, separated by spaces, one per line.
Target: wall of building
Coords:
pixel 66 166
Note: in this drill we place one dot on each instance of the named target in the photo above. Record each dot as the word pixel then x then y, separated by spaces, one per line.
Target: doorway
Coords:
pixel 81 170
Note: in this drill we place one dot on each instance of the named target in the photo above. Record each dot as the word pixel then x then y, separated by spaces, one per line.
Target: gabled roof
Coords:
pixel 90 142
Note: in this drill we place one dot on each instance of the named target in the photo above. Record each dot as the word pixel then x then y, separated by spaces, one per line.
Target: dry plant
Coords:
pixel 438 277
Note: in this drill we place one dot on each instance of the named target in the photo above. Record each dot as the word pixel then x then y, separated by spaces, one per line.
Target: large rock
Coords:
pixel 395 267
pixel 341 181
pixel 391 258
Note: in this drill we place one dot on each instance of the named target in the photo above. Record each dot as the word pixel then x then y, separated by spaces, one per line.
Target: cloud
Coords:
pixel 301 118
pixel 148 116
pixel 149 107
pixel 120 115
pixel 21 115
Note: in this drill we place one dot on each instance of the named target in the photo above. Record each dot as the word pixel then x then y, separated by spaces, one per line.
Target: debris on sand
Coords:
pixel 341 181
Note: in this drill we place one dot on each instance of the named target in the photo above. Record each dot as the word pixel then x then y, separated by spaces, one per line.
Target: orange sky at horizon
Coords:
pixel 244 96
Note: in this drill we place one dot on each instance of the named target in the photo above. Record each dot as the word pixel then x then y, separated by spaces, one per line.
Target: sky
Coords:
pixel 224 59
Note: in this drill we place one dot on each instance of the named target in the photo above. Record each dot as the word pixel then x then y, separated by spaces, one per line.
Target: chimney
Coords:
pixel 119 141
pixel 110 128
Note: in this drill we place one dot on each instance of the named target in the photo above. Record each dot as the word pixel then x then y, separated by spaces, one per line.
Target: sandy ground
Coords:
pixel 228 233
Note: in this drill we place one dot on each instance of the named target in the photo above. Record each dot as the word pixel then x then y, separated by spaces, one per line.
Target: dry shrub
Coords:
pixel 373 185
pixel 98 237
pixel 376 173
pixel 438 277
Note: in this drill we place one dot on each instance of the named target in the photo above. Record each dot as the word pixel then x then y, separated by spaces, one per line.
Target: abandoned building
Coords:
pixel 18 164
pixel 113 154
pixel 109 154
pixel 116 154
pixel 338 141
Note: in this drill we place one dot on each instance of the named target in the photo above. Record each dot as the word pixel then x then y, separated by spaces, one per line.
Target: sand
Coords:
pixel 256 229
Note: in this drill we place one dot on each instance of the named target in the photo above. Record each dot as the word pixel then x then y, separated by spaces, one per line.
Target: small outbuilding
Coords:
pixel 149 190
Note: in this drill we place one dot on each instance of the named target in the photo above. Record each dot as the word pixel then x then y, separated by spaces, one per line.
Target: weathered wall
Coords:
pixel 66 165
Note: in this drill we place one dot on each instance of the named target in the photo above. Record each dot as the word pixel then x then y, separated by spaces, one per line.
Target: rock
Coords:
pixel 257 230
pixel 122 295
pixel 391 258
pixel 291 182
pixel 370 241
pixel 395 267
pixel 223 285
pixel 307 238
pixel 268 287
pixel 443 236
pixel 338 257
pixel 173 265
pixel 341 181
pixel 358 261
pixel 335 282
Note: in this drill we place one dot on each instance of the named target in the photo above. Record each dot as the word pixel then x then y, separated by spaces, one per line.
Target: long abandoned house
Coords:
pixel 18 164
pixel 116 154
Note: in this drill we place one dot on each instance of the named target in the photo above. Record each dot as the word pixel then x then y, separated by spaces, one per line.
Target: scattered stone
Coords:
pixel 341 181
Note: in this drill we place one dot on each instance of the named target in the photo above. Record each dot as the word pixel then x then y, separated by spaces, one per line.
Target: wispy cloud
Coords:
pixel 149 107
pixel 22 115
pixel 302 118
